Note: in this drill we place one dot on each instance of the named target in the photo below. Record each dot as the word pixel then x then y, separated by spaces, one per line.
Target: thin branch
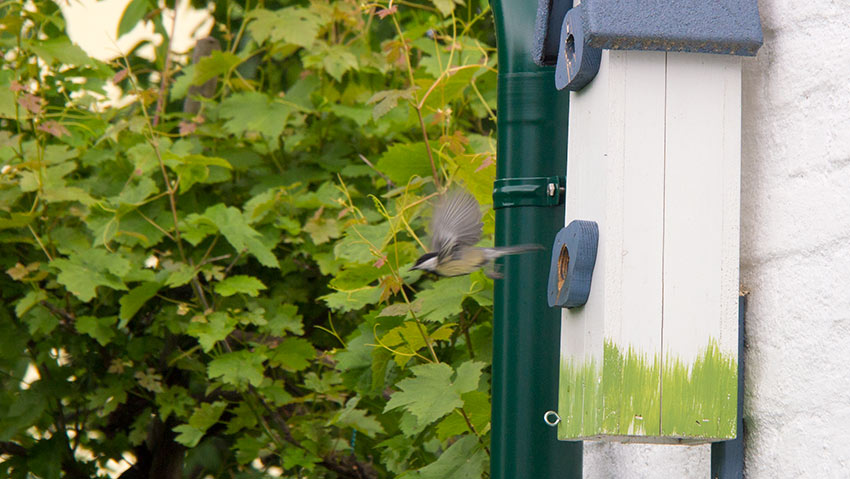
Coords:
pixel 418 323
pixel 472 428
pixel 464 327
pixel 171 190
pixel 38 240
pixel 369 163
pixel 428 148
pixel 398 277
pixel 445 74
pixel 417 5
pixel 208 252
pixel 416 105
pixel 233 263
pixel 196 284
pixel 483 101
pixel 469 343
pixel 57 311
pixel 155 225
pixel 163 85
pixel 395 351
pixel 214 259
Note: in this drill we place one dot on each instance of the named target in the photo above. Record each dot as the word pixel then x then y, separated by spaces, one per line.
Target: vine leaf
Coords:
pixel 446 7
pixel 357 419
pixel 211 329
pixel 401 161
pixel 98 328
pixel 239 233
pixel 465 459
pixel 295 25
pixel 292 354
pixel 387 100
pixel 476 404
pixel 238 368
pixel 134 13
pixel 202 419
pixel 239 283
pixel 433 392
pixel 444 299
pixel 253 111
pixel 82 274
pixel 135 299
pixel 281 318
pixel 218 63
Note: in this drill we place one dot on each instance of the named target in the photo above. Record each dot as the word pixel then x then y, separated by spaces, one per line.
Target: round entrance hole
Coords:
pixel 563 266
pixel 569 47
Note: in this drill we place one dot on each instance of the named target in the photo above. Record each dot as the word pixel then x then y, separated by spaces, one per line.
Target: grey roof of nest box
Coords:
pixel 708 26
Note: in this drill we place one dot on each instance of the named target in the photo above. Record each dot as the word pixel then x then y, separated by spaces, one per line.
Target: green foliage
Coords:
pixel 465 459
pixel 229 291
pixel 432 392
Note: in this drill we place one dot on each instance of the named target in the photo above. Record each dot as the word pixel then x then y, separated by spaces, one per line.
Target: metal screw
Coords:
pixel 551 189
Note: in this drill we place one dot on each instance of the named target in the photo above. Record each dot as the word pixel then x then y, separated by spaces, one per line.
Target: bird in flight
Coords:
pixel 455 229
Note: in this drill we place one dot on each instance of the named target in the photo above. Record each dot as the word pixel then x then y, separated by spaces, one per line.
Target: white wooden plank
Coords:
pixel 731 234
pixel 615 176
pixel 642 202
pixel 585 199
pixel 582 329
pixel 702 191
pixel 642 220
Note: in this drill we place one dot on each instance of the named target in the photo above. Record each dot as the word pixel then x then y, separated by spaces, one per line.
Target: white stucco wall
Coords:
pixel 795 259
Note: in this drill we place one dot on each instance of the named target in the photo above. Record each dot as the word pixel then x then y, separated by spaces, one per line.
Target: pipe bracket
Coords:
pixel 531 191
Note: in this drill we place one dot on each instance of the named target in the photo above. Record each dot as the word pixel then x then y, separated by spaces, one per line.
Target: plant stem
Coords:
pixel 163 85
pixel 38 240
pixel 472 428
pixel 428 148
pixel 416 103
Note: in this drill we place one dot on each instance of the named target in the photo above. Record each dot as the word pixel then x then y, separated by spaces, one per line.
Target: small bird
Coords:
pixel 455 229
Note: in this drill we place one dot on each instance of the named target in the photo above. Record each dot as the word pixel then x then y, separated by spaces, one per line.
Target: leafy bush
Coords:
pixel 228 292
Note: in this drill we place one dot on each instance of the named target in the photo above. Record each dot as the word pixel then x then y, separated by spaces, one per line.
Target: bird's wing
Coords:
pixel 456 222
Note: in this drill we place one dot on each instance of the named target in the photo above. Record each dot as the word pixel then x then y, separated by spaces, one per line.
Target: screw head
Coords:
pixel 551 189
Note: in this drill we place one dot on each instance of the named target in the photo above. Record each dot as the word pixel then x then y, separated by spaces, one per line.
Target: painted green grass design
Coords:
pixel 631 394
pixel 578 394
pixel 703 403
pixel 697 402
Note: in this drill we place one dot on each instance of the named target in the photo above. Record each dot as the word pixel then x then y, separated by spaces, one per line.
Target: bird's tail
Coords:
pixel 493 253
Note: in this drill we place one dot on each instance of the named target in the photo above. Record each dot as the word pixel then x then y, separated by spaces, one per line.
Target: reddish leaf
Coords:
pixel 187 127
pixel 456 142
pixel 488 160
pixel 384 13
pixel 121 75
pixel 32 103
pixel 56 129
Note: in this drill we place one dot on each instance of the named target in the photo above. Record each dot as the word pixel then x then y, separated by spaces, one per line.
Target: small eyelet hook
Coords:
pixel 551 418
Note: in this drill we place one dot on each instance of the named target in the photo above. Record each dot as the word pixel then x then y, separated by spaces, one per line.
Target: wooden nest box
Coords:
pixel 654 161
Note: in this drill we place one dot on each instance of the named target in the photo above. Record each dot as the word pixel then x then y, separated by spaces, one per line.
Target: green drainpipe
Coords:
pixel 532 143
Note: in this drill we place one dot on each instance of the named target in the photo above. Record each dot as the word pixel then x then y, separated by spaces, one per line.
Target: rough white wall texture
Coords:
pixel 795 259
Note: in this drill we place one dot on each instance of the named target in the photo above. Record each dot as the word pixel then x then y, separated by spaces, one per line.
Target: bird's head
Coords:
pixel 426 262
